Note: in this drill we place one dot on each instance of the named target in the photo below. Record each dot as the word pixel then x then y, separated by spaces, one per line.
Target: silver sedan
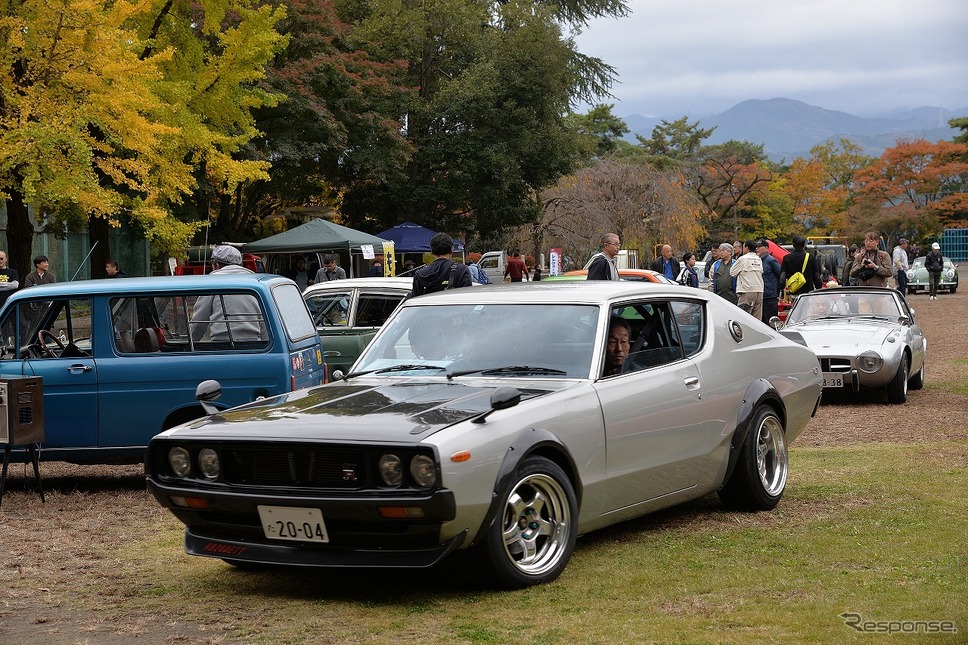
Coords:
pixel 504 420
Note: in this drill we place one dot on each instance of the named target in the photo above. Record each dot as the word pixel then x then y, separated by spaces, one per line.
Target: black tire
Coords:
pixel 916 382
pixel 897 389
pixel 531 539
pixel 760 476
pixel 954 290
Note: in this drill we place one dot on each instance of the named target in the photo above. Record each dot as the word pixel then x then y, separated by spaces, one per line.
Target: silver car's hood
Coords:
pixel 843 335
pixel 376 410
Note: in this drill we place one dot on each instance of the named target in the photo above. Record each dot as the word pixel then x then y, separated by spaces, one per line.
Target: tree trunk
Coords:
pixel 99 232
pixel 20 235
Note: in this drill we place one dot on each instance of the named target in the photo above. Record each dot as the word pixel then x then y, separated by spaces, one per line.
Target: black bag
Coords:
pixel 866 273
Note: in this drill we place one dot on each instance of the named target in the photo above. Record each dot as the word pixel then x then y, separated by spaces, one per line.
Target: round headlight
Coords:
pixel 869 362
pixel 950 274
pixel 208 463
pixel 423 470
pixel 391 470
pixel 910 275
pixel 180 461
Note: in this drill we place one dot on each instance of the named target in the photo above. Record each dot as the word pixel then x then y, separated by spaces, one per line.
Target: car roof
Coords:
pixel 595 292
pixel 147 285
pixel 354 283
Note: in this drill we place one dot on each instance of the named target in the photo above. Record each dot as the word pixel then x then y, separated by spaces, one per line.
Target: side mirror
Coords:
pixel 501 399
pixel 206 392
pixel 776 323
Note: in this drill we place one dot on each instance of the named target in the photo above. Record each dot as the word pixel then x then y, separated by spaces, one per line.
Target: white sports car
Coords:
pixel 865 337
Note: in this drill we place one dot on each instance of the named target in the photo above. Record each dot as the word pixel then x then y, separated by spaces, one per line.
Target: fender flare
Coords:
pixel 759 391
pixel 528 442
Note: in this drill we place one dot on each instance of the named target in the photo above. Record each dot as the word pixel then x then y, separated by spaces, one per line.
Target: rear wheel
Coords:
pixel 532 538
pixel 758 482
pixel 898 387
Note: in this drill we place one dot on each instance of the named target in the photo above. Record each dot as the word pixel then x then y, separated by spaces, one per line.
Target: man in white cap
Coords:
pixel 227 317
pixel 934 263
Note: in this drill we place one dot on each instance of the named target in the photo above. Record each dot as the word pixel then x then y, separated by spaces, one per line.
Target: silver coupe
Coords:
pixel 503 420
pixel 865 338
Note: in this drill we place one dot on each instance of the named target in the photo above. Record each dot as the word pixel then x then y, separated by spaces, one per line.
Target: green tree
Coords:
pixel 492 84
pixel 675 144
pixel 340 126
pixel 600 131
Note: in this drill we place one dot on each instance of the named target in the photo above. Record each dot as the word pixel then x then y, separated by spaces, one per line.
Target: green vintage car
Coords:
pixel 349 312
pixel 920 282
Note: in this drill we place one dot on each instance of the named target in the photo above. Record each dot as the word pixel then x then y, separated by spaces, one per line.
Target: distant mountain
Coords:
pixel 789 129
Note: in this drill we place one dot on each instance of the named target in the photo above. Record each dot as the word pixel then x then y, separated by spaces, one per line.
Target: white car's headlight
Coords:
pixel 950 274
pixel 423 470
pixel 208 463
pixel 180 461
pixel 869 362
pixel 910 275
pixel 391 470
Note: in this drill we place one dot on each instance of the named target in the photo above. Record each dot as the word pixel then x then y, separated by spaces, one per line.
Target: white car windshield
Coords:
pixel 821 305
pixel 508 340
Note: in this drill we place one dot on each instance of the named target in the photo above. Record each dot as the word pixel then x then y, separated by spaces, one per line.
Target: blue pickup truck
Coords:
pixel 121 358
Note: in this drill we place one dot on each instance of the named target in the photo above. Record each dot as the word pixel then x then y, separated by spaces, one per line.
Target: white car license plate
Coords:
pixel 290 523
pixel 833 379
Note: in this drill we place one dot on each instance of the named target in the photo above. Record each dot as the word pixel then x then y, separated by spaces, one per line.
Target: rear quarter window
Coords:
pixel 292 309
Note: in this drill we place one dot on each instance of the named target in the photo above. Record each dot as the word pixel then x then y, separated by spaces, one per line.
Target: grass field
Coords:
pixel 877 531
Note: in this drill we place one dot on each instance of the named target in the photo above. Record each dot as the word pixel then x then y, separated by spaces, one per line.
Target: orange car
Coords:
pixel 631 275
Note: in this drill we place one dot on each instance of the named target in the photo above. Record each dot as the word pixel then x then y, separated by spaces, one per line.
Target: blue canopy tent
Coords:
pixel 413 238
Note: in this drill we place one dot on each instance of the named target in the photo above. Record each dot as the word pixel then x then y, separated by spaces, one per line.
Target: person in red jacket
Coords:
pixel 516 268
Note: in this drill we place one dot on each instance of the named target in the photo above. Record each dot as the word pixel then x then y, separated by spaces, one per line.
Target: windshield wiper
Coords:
pixel 509 369
pixel 395 368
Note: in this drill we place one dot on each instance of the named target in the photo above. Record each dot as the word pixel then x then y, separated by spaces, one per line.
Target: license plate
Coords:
pixel 833 379
pixel 290 523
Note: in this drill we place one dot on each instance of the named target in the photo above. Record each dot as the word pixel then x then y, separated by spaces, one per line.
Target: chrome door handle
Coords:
pixel 79 369
pixel 691 381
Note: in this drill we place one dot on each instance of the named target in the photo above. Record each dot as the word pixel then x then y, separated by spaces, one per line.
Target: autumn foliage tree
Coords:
pixel 917 188
pixel 120 108
pixel 642 205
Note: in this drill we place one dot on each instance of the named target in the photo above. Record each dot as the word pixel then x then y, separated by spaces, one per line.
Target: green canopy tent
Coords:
pixel 316 237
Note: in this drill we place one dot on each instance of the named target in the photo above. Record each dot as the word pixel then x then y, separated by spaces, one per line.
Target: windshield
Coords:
pixel 821 305
pixel 550 341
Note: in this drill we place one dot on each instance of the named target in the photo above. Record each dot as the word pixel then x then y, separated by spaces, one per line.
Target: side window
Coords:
pixel 55 328
pixel 136 325
pixel 653 337
pixel 330 309
pixel 691 323
pixel 488 263
pixel 374 309
pixel 226 321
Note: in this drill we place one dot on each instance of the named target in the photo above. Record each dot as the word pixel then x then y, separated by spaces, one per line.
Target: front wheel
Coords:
pixel 532 538
pixel 917 381
pixel 897 389
pixel 758 482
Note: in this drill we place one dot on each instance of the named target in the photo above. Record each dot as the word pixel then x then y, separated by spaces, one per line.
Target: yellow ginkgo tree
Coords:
pixel 123 107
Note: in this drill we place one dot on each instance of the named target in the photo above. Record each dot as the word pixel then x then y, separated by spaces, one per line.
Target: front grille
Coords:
pixel 340 468
pixel 836 364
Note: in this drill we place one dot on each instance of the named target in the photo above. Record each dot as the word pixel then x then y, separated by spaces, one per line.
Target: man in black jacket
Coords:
pixel 603 266
pixel 666 264
pixel 442 273
pixel 934 263
pixel 793 262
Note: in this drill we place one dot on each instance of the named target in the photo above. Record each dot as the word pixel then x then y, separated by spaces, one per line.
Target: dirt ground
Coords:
pixel 48 549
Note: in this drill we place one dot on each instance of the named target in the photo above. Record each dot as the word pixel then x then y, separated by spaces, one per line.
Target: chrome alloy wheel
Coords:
pixel 536 525
pixel 771 455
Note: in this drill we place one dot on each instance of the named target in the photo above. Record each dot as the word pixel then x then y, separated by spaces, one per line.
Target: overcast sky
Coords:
pixel 866 57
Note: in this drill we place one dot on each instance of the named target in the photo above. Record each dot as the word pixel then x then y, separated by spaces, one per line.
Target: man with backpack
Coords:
pixel 442 273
